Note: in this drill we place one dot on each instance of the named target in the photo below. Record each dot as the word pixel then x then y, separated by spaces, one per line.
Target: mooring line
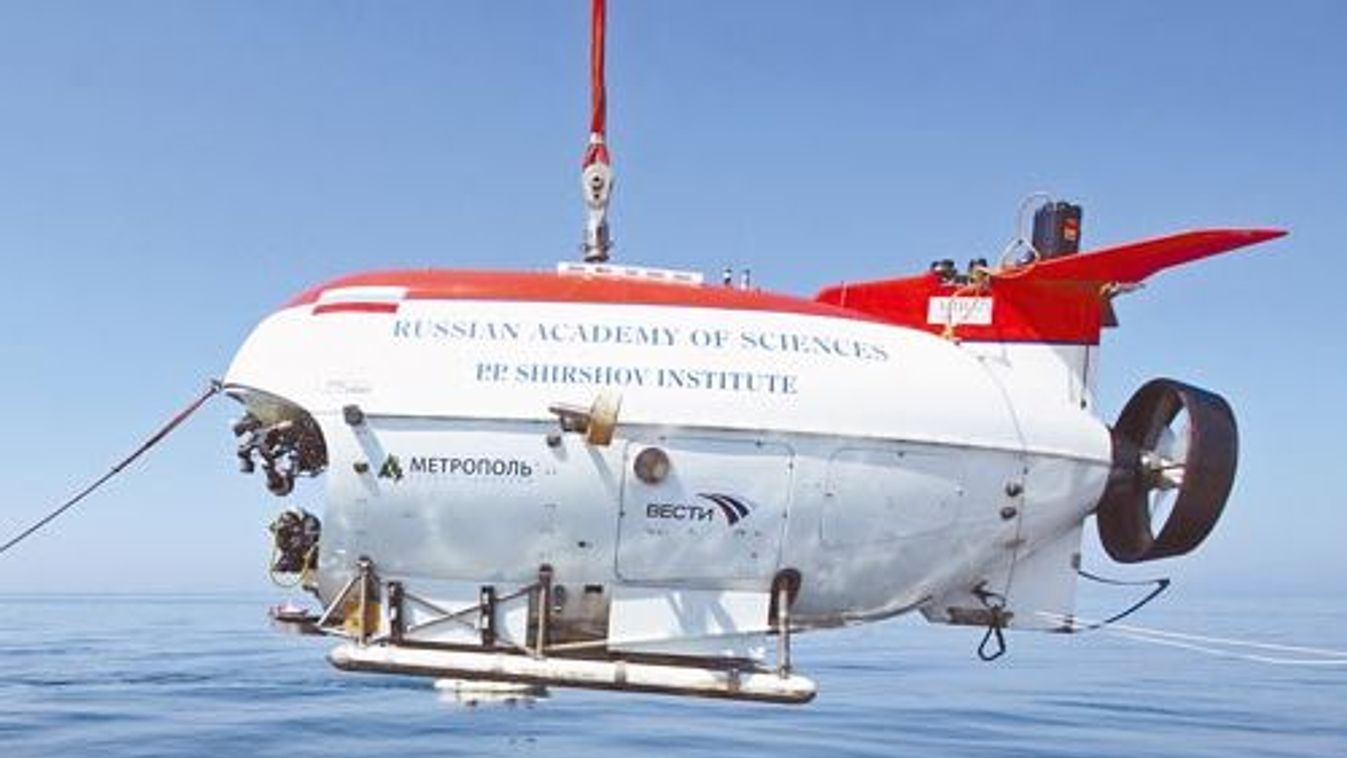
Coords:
pixel 1225 647
pixel 212 390
pixel 1330 658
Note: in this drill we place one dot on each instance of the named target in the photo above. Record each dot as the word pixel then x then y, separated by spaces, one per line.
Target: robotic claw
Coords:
pixel 286 449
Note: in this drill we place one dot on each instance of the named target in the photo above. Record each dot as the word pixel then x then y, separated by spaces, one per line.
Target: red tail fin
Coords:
pixel 1059 300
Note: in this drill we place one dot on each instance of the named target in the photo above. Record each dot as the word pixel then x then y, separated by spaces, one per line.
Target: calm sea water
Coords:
pixel 207 675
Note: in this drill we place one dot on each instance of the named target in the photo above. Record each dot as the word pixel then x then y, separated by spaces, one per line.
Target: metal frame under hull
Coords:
pixel 380 640
pixel 763 686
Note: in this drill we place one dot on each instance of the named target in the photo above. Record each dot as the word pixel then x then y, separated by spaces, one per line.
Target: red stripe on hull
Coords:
pixel 443 284
pixel 1061 300
pixel 322 308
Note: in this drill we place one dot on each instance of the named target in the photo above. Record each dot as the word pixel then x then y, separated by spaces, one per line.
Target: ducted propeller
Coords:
pixel 1174 453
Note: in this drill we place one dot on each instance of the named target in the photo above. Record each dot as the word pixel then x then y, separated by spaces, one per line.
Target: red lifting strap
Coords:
pixel 598 126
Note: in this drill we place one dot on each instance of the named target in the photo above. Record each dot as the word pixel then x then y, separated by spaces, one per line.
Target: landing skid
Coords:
pixel 629 676
pixel 380 639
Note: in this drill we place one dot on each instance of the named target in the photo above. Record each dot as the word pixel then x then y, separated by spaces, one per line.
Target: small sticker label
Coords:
pixel 941 311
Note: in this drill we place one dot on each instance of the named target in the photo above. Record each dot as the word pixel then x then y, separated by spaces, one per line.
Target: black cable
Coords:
pixel 214 389
pixel 994 634
pixel 1161 585
pixel 995 603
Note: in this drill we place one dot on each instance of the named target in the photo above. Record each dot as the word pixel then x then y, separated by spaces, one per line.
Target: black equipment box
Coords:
pixel 1057 229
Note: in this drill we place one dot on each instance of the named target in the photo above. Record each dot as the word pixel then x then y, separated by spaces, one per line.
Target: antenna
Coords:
pixel 596 176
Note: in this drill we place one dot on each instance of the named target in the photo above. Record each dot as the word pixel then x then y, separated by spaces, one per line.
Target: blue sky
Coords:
pixel 171 172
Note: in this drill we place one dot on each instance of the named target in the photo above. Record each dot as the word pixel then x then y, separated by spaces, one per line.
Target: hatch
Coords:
pixel 701 508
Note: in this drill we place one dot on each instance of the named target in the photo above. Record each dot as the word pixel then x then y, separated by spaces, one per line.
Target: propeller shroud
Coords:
pixel 1175 448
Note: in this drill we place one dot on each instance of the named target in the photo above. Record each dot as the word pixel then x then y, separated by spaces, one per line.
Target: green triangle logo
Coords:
pixel 391 469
